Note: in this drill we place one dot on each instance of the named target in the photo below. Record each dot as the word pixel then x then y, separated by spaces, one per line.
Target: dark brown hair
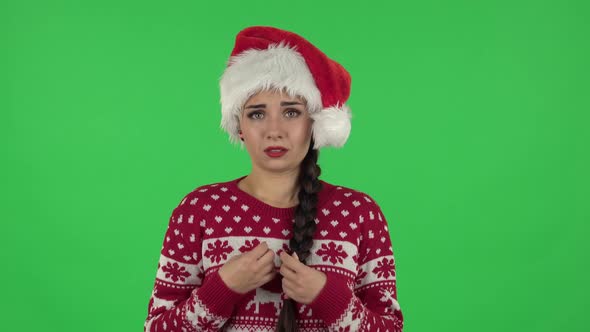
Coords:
pixel 304 226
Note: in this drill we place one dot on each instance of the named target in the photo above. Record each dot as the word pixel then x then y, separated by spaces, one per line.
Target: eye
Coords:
pixel 254 114
pixel 294 111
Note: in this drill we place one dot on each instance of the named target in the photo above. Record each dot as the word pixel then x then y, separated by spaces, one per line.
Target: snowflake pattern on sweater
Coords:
pixel 214 222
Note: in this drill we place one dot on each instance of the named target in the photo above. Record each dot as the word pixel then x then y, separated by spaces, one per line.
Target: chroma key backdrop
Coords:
pixel 470 129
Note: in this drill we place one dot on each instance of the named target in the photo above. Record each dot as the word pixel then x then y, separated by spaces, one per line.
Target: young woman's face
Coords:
pixel 274 119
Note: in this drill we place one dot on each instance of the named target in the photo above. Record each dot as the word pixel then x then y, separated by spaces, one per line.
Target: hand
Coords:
pixel 250 270
pixel 300 282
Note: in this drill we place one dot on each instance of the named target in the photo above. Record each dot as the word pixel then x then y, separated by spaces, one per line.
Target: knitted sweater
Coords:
pixel 214 222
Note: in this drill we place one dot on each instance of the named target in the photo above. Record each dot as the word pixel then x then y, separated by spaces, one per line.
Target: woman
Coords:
pixel 278 249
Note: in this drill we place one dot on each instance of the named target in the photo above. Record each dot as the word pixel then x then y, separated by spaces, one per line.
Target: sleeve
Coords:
pixel 370 302
pixel 182 298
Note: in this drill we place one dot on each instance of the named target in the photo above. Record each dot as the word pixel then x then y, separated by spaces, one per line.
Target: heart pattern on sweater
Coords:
pixel 335 247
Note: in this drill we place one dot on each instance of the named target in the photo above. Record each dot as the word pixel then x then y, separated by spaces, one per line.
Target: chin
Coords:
pixel 277 165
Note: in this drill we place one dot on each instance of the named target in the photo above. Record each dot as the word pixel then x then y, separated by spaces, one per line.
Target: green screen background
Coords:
pixel 470 129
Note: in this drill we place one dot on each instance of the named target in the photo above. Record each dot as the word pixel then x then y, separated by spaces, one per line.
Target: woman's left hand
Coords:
pixel 300 282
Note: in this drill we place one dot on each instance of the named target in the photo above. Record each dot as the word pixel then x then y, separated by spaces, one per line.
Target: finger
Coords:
pixel 271 274
pixel 266 259
pixel 268 268
pixel 285 258
pixel 290 261
pixel 286 272
pixel 288 286
pixel 273 270
pixel 259 251
pixel 268 256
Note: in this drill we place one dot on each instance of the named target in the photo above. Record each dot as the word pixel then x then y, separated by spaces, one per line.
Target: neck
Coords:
pixel 276 189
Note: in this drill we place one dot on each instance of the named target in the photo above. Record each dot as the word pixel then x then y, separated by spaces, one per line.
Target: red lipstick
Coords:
pixel 275 151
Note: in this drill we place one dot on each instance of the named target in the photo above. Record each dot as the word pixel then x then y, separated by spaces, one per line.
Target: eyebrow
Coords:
pixel 283 103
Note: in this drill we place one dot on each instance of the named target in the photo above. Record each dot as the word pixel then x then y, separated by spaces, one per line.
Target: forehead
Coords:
pixel 273 94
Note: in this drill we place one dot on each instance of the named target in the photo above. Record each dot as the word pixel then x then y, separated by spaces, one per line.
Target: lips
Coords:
pixel 275 149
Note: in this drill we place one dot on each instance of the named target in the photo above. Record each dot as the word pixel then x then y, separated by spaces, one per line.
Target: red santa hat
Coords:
pixel 267 57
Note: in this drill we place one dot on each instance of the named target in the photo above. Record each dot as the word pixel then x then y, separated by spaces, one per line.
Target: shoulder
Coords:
pixel 203 193
pixel 358 210
pixel 355 197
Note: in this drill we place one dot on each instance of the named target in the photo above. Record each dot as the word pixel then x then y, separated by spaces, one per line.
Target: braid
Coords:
pixel 304 227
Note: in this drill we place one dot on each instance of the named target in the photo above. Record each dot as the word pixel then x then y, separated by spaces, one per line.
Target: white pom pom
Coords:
pixel 331 126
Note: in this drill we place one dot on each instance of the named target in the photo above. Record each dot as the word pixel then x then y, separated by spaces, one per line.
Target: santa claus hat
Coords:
pixel 266 58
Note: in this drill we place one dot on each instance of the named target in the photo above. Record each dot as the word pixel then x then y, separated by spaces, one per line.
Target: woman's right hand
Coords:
pixel 250 270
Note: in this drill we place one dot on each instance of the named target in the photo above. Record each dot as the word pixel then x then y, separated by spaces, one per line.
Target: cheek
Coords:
pixel 302 139
pixel 304 133
pixel 248 131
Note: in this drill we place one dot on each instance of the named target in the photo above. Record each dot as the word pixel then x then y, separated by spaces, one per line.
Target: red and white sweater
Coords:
pixel 214 222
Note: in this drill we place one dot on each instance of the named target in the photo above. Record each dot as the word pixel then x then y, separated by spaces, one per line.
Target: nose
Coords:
pixel 275 127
